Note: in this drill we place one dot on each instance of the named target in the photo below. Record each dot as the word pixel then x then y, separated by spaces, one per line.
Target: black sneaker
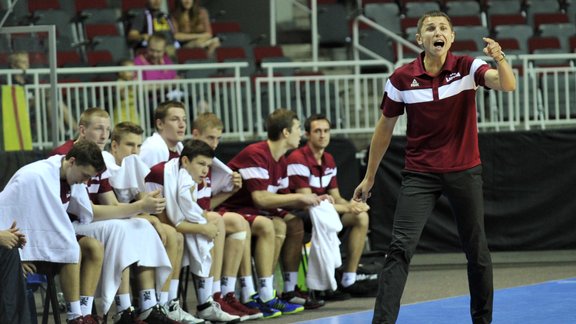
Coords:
pixel 334 295
pixel 362 288
pixel 302 298
pixel 127 316
pixel 156 315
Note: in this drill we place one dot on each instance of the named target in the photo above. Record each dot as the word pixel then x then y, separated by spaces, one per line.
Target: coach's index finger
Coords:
pixel 488 40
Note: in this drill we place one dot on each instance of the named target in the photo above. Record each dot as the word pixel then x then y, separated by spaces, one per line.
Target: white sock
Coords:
pixel 173 292
pixel 290 281
pixel 348 279
pixel 122 302
pixel 204 286
pixel 163 300
pixel 247 286
pixel 216 287
pixel 73 310
pixel 147 299
pixel 86 303
pixel 228 285
pixel 266 288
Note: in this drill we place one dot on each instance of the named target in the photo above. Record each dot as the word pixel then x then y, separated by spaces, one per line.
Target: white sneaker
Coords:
pixel 176 313
pixel 215 314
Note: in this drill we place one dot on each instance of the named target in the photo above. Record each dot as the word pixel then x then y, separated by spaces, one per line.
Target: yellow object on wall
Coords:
pixel 15 119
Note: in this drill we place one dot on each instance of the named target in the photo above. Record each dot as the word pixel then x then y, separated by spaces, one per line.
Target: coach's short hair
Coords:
pixel 193 148
pixel 277 121
pixel 123 128
pixel 162 110
pixel 87 153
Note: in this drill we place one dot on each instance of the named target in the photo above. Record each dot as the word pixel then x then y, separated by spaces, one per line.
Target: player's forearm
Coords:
pixel 271 200
pixel 217 200
pixel 119 211
pixel 506 76
pixel 190 228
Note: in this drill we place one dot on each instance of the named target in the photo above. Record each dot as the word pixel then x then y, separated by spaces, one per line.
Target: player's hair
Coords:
pixel 277 121
pixel 124 128
pixel 193 148
pixel 161 111
pixel 433 13
pixel 207 120
pixel 88 114
pixel 87 153
pixel 314 118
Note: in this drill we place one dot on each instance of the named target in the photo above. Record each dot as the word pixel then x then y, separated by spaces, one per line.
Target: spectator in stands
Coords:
pixel 40 197
pixel 166 142
pixel 313 170
pixel 152 21
pixel 20 60
pixel 437 92
pixel 263 197
pixel 126 110
pixel 155 54
pixel 13 302
pixel 192 26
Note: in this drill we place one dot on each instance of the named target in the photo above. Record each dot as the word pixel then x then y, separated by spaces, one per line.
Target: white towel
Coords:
pixel 181 206
pixel 325 247
pixel 155 150
pixel 126 241
pixel 32 199
pixel 80 203
pixel 221 177
pixel 126 179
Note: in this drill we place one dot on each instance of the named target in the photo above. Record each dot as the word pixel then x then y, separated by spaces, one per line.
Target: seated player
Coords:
pixel 207 127
pixel 312 170
pixel 165 143
pixel 118 230
pixel 39 198
pixel 264 193
pixel 204 232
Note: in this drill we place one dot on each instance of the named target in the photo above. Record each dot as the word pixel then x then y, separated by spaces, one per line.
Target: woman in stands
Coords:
pixel 192 26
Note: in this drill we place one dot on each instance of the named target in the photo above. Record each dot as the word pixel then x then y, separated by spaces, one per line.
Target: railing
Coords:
pixel 545 97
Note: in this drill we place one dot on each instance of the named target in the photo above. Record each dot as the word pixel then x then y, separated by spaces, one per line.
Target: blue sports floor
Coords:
pixel 552 302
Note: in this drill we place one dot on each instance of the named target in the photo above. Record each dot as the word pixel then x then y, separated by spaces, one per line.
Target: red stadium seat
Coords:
pixel 186 54
pixel 539 43
pixel 100 58
pixel 262 52
pixel 82 5
pixel 34 5
pixel 93 30
pixel 230 53
pixel 226 27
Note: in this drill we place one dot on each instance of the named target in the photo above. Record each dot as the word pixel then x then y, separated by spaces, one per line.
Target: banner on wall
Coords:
pixel 529 194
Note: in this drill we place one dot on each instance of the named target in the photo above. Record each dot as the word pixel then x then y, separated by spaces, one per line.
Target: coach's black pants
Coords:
pixel 13 302
pixel 418 195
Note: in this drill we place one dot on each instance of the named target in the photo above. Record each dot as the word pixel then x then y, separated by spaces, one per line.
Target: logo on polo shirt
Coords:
pixel 453 76
pixel 414 83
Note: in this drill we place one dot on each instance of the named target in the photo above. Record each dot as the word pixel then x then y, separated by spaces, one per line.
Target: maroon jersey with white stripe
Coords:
pixel 305 172
pixel 156 176
pixel 63 149
pixel 259 171
pixel 442 133
pixel 65 193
